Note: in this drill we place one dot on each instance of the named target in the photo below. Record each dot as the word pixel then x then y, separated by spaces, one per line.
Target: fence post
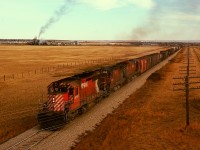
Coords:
pixel 42 96
pixel 4 77
pixel 22 75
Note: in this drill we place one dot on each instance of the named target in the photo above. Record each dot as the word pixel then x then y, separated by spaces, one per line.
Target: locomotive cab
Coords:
pixel 62 96
pixel 71 96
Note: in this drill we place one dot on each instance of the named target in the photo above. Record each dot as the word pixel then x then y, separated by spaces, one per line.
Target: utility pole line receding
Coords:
pixel 187 72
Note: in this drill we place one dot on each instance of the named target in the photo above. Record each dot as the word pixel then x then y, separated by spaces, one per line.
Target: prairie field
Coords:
pixel 26 71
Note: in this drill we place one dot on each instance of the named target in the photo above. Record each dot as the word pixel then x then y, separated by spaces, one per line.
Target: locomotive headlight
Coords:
pixel 53 100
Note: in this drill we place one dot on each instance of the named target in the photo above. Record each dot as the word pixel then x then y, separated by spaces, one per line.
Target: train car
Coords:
pixel 68 97
pixel 143 64
pixel 163 55
pixel 122 73
pixel 147 62
pixel 155 59
pixel 115 76
pixel 173 50
pixel 130 69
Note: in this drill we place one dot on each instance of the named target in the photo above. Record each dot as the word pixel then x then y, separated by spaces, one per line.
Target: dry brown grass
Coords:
pixel 20 58
pixel 20 97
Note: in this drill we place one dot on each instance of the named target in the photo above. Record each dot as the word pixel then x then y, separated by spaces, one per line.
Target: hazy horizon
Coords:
pixel 100 20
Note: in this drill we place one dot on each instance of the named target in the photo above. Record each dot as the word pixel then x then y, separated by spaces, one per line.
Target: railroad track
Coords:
pixel 31 141
pixel 34 139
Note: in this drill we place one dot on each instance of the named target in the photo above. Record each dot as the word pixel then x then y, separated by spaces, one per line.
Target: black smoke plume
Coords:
pixel 156 23
pixel 150 26
pixel 56 16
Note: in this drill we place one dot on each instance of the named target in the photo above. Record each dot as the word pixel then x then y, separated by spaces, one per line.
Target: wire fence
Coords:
pixel 56 68
pixel 42 97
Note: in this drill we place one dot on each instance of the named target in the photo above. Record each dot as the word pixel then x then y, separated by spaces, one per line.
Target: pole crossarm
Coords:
pixel 187 70
pixel 179 78
pixel 180 83
pixel 189 63
pixel 189 73
pixel 186 66
pixel 194 82
pixel 194 77
pixel 195 88
pixel 185 61
pixel 174 89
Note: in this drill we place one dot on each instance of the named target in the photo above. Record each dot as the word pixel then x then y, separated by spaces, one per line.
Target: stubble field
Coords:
pixel 25 72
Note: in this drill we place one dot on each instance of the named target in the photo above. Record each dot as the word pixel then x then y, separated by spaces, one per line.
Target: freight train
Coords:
pixel 72 96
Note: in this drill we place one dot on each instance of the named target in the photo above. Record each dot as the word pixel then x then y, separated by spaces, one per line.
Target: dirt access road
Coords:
pixel 152 118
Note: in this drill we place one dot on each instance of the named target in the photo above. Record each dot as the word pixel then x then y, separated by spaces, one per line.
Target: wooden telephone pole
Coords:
pixel 187 82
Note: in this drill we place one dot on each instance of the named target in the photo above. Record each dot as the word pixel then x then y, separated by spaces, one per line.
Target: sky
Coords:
pixel 100 19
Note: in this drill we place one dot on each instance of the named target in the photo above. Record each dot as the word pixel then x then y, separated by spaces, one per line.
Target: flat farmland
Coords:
pixel 25 72
pixel 23 58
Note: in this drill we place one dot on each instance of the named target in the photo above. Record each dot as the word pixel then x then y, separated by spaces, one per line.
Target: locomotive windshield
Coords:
pixel 57 87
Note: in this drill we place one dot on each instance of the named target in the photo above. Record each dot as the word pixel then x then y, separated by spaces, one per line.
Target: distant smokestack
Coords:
pixel 56 16
pixel 35 41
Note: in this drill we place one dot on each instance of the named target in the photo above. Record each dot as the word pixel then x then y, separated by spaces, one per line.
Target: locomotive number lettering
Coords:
pixel 84 85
